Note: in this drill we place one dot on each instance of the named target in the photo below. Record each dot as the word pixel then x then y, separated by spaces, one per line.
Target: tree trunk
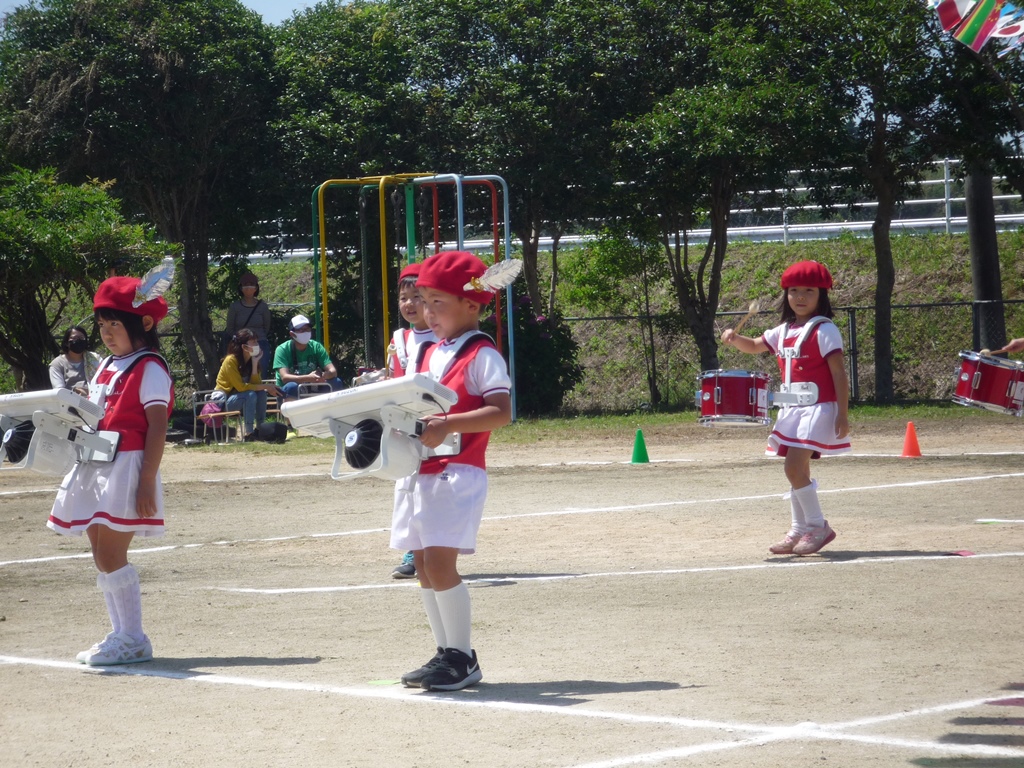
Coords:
pixel 698 305
pixel 649 343
pixel 885 271
pixel 530 239
pixel 553 284
pixel 990 323
pixel 194 318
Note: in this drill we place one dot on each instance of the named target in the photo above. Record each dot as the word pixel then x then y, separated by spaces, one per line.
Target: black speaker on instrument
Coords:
pixel 362 443
pixel 16 441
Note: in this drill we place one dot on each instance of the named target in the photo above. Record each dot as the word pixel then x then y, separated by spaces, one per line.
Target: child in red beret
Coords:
pixel 112 501
pixel 814 396
pixel 407 346
pixel 438 510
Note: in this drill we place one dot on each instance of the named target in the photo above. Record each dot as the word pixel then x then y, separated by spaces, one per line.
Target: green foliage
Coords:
pixel 57 241
pixel 347 109
pixel 172 99
pixel 616 274
pixel 546 367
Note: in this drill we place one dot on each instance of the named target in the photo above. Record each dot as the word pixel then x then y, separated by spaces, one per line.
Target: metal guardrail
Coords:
pixel 783 230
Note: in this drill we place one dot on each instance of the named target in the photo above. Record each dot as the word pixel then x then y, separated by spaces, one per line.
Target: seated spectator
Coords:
pixel 301 360
pixel 74 367
pixel 253 313
pixel 239 380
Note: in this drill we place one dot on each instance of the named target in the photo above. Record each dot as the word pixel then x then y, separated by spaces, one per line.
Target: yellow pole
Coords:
pixel 323 262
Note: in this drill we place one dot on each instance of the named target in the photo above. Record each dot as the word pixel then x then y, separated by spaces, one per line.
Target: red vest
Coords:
pixel 124 412
pixel 474 444
pixel 810 366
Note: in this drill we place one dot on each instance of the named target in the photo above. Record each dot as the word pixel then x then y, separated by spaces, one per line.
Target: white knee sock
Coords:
pixel 807 498
pixel 434 617
pixel 123 585
pixel 115 620
pixel 455 613
pixel 798 524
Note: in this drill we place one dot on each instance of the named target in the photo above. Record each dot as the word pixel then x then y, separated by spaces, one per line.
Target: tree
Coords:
pixel 522 89
pixel 56 242
pixel 172 100
pixel 346 107
pixel 617 274
pixel 347 111
pixel 981 121
pixel 884 71
pixel 748 107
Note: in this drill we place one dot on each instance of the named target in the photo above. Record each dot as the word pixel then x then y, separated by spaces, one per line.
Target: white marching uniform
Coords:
pixel 444 509
pixel 407 343
pixel 103 492
pixel 807 426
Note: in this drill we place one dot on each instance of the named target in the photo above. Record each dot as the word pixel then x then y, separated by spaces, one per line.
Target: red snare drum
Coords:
pixel 733 398
pixel 991 383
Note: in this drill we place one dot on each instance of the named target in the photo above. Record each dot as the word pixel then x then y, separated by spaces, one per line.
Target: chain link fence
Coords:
pixel 926 342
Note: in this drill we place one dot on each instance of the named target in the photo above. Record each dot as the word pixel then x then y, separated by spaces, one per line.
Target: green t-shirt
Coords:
pixel 299 361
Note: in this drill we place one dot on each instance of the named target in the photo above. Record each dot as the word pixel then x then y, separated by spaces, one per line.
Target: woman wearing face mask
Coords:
pixel 75 365
pixel 239 380
pixel 251 312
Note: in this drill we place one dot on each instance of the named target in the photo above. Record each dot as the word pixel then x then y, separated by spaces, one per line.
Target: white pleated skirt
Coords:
pixel 103 493
pixel 807 426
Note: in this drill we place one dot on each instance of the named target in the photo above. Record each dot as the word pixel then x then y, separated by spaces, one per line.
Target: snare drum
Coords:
pixel 991 383
pixel 733 398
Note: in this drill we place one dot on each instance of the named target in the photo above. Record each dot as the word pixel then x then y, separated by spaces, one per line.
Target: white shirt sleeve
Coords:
pixel 829 339
pixel 771 338
pixel 487 373
pixel 155 387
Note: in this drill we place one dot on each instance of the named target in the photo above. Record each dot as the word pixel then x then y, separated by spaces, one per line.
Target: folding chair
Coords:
pixel 273 402
pixel 217 424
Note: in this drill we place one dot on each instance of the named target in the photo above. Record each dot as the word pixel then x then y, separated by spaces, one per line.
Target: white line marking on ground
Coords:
pixel 695 749
pixel 759 497
pixel 609 462
pixel 762 734
pixel 394 693
pixel 28 491
pixel 995 520
pixel 171 547
pixel 618 574
pixel 566 511
pixel 290 475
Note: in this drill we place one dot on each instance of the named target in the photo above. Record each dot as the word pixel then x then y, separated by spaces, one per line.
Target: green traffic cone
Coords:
pixel 640 449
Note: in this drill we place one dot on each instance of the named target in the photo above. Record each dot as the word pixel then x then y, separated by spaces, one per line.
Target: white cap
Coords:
pixel 298 321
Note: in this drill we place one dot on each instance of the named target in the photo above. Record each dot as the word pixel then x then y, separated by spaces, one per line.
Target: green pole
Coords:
pixel 410 224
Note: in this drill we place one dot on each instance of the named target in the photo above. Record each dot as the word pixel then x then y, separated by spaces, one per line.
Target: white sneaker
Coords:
pixel 83 655
pixel 121 649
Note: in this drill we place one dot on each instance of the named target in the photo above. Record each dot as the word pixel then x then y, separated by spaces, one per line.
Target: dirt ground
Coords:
pixel 624 614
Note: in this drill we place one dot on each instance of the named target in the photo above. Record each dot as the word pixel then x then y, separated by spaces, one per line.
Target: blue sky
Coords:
pixel 272 11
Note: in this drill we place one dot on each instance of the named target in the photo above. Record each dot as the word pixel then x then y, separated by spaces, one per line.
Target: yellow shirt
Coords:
pixel 229 377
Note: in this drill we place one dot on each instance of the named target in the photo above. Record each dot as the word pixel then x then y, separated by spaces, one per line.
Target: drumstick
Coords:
pixel 989 352
pixel 755 307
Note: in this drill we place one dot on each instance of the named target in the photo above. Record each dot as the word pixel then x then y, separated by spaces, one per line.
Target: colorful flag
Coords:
pixel 1011 22
pixel 979 24
pixel 952 12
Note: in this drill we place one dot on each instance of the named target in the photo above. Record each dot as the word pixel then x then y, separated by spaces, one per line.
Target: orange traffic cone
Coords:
pixel 911 450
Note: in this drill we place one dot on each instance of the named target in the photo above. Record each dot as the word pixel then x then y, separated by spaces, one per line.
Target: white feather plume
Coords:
pixel 497 276
pixel 154 283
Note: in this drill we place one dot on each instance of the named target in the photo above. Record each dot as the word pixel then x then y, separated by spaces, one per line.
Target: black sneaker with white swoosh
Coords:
pixel 453 672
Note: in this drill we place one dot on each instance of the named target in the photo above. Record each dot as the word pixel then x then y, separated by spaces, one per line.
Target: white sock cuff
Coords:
pixel 122 577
